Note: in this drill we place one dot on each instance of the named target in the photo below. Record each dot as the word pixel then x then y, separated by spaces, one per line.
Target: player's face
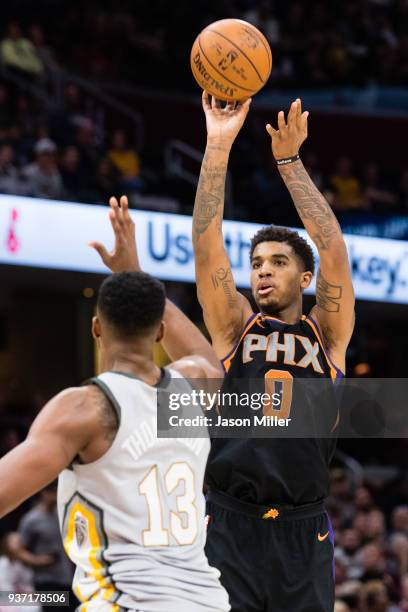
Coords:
pixel 277 280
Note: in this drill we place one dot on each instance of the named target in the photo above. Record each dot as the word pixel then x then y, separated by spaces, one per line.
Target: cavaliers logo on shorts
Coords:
pixel 80 530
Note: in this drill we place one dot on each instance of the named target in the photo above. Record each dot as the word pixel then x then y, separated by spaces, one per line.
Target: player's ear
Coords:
pixel 305 280
pixel 160 332
pixel 96 328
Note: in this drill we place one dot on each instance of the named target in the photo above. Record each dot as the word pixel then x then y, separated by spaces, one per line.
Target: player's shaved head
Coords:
pixel 131 303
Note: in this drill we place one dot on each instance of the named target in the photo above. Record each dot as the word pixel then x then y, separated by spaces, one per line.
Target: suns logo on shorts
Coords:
pixel 273 513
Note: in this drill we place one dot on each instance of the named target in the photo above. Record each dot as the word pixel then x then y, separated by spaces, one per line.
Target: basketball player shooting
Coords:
pixel 130 505
pixel 269 534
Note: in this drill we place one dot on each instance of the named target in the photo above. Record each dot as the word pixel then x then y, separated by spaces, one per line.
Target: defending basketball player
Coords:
pixel 269 534
pixel 131 506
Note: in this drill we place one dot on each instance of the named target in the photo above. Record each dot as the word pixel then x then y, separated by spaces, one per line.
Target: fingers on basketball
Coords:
pixel 215 103
pixel 206 101
pixel 245 104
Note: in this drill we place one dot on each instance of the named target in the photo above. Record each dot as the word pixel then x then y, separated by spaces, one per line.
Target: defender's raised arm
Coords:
pixel 182 339
pixel 224 308
pixel 334 308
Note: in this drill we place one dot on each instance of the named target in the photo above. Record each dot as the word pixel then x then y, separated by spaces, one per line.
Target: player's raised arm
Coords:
pixel 61 430
pixel 334 308
pixel 181 337
pixel 224 308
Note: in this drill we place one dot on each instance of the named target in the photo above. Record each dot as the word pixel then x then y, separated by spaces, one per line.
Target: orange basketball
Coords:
pixel 231 59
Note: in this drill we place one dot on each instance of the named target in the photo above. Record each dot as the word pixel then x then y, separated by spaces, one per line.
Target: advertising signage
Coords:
pixel 49 234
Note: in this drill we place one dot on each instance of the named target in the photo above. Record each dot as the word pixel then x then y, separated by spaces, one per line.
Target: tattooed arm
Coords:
pixel 334 308
pixel 224 308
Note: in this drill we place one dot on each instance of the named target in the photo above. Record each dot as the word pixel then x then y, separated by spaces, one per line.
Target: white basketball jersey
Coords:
pixel 133 521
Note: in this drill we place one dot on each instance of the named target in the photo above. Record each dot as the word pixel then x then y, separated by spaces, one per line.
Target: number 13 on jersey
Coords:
pixel 183 522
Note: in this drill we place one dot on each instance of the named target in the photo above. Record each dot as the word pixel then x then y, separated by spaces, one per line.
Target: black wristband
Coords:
pixel 287 160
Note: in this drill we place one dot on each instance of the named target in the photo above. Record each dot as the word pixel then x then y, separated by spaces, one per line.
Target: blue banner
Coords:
pixel 48 234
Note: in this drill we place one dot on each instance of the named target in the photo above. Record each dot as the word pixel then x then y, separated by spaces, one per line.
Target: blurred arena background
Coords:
pixel 97 99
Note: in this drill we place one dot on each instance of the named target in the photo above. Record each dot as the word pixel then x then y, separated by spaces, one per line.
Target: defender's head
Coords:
pixel 282 266
pixel 130 306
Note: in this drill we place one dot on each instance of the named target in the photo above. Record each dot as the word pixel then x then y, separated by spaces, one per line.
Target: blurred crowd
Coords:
pixel 319 44
pixel 69 152
pixel 65 154
pixel 371 553
pixel 60 154
pixel 349 187
pixel 32 557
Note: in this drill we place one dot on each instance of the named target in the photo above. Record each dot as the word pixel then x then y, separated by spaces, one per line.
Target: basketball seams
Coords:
pixel 240 50
pixel 262 38
pixel 211 72
pixel 220 73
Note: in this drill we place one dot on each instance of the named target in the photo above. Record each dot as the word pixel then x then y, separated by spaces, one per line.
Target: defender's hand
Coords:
pixel 287 140
pixel 223 124
pixel 123 257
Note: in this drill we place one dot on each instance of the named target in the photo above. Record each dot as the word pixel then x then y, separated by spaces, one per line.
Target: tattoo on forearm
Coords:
pixel 209 202
pixel 311 205
pixel 223 279
pixel 328 296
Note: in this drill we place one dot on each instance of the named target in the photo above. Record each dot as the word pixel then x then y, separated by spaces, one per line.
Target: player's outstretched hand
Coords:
pixel 123 257
pixel 224 122
pixel 287 140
